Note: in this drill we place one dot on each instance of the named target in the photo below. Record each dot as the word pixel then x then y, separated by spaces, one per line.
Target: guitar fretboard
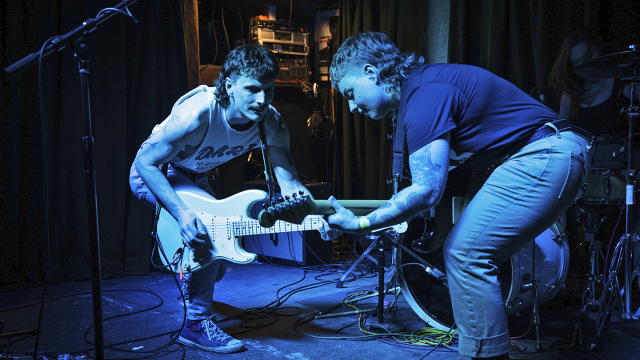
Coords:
pixel 253 227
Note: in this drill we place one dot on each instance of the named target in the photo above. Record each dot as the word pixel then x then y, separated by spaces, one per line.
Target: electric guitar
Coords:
pixel 226 222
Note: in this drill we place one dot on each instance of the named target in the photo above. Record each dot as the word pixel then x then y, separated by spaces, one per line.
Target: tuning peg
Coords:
pixel 301 192
pixel 288 197
pixel 280 199
pixel 294 195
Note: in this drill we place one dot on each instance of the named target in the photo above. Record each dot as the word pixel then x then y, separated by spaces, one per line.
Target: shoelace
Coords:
pixel 213 331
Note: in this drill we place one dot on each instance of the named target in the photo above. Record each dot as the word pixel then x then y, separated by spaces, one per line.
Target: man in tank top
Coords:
pixel 208 127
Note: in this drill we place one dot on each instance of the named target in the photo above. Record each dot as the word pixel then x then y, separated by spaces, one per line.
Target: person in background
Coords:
pixel 591 103
pixel 448 110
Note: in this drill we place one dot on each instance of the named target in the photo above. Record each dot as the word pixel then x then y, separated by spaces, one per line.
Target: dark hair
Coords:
pixel 562 79
pixel 376 49
pixel 252 61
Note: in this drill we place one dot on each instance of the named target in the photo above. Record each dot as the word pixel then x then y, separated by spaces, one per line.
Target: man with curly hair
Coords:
pixel 539 164
pixel 207 127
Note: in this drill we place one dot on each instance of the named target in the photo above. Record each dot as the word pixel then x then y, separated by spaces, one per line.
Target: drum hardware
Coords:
pixel 592 227
pixel 365 255
pixel 428 294
pixel 612 295
pixel 393 238
pixel 604 187
pixel 620 65
pixel 613 66
pixel 529 282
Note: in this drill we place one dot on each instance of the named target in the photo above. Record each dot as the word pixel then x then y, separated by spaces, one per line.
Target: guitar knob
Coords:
pixel 280 199
pixel 287 197
pixel 264 206
pixel 301 192
pixel 294 195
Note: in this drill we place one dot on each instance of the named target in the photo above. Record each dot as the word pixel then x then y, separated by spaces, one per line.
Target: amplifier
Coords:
pixel 279 25
pixel 293 75
pixel 291 49
pixel 283 42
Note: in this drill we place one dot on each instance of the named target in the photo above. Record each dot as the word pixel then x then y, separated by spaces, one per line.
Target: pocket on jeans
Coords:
pixel 572 185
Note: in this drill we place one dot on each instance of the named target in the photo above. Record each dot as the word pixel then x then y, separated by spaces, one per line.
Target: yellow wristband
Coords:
pixel 365 224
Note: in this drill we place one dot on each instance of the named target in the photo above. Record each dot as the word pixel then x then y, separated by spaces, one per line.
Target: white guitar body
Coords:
pixel 226 222
pixel 217 216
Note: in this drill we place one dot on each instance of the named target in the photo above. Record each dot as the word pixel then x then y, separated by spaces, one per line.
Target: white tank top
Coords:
pixel 221 143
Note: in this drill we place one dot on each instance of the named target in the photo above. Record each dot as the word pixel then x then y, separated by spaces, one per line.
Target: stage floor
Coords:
pixel 265 301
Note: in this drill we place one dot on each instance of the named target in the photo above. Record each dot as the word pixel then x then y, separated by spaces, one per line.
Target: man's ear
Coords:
pixel 228 83
pixel 370 72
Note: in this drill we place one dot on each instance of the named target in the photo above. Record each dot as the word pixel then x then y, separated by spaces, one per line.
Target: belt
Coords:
pixel 562 125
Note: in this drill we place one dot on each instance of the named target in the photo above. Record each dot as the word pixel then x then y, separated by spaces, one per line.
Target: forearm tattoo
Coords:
pixel 426 177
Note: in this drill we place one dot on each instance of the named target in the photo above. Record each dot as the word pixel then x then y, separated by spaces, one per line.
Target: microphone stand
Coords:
pixel 78 41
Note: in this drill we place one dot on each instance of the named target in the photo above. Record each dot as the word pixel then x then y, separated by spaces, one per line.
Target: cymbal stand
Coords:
pixel 623 248
pixel 632 113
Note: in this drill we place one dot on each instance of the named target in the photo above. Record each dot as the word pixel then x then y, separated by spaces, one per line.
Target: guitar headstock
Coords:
pixel 292 209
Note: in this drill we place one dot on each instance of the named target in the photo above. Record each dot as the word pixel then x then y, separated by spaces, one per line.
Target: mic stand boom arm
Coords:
pixel 71 37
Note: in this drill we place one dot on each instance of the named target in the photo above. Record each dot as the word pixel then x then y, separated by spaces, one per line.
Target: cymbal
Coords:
pixel 618 65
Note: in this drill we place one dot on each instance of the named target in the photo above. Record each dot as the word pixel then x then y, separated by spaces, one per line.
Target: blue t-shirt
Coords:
pixel 488 117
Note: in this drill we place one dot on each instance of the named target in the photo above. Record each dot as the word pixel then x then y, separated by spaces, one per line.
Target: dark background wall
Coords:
pixel 139 70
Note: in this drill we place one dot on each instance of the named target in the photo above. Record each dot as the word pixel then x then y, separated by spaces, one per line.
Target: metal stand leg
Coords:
pixel 593 226
pixel 381 286
pixel 365 255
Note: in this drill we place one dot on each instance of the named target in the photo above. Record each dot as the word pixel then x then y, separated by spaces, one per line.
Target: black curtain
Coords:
pixel 364 166
pixel 137 71
pixel 519 40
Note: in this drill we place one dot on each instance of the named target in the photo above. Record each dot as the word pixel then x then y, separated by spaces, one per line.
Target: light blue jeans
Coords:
pixel 521 198
pixel 198 287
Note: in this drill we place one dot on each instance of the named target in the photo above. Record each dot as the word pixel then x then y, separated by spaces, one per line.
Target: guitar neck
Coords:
pixel 289 210
pixel 253 227
pixel 358 207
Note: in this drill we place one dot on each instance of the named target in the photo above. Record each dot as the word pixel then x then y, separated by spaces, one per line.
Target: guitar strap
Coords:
pixel 268 170
pixel 400 166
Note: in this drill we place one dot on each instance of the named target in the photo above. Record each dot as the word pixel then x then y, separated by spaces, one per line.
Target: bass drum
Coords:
pixel 429 297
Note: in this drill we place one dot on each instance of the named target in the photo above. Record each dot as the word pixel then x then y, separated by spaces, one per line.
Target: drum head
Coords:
pixel 429 297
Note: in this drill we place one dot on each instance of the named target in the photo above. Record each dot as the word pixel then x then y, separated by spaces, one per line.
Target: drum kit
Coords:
pixel 544 262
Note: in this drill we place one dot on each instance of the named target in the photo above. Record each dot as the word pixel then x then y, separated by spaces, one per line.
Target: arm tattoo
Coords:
pixel 401 206
pixel 423 170
pixel 387 204
pixel 414 201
